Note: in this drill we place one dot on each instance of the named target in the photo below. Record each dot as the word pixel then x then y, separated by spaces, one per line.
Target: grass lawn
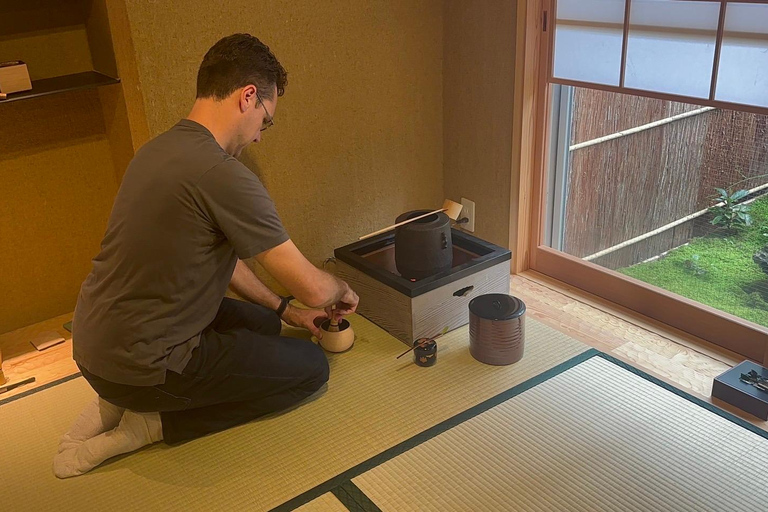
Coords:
pixel 717 270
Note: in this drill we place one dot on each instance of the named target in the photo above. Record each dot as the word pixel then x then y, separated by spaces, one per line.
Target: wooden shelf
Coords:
pixel 74 82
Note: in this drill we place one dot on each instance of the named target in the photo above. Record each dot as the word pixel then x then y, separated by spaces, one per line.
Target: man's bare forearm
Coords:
pixel 337 289
pixel 245 283
pixel 310 285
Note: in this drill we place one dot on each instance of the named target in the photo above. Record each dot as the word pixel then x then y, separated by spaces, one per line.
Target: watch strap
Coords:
pixel 283 305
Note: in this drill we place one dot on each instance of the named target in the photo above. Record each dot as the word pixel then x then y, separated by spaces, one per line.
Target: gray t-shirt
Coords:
pixel 185 212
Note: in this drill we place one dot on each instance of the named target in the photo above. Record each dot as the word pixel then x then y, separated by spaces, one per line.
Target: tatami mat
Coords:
pixel 325 503
pixel 596 437
pixel 372 403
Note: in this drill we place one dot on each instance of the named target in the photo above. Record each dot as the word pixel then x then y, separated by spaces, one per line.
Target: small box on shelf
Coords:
pixel 14 77
pixel 749 394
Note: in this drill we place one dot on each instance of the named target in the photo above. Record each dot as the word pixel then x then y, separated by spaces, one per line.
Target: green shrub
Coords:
pixel 731 214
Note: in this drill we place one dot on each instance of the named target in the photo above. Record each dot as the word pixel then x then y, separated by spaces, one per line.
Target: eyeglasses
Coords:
pixel 267 122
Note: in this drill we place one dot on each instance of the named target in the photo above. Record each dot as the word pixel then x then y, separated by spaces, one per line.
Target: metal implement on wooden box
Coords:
pixel 742 387
pixel 416 308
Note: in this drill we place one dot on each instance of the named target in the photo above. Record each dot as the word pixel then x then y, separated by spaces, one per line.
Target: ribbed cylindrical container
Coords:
pixel 496 328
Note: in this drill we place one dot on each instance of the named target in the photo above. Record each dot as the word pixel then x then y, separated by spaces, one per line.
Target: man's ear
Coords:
pixel 247 95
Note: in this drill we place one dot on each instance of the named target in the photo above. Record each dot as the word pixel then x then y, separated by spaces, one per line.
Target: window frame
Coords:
pixel 531 153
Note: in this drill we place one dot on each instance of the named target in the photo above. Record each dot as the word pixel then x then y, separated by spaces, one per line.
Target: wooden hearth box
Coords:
pixel 415 309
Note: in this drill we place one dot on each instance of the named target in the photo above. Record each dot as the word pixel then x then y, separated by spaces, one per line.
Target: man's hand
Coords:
pixel 305 319
pixel 345 306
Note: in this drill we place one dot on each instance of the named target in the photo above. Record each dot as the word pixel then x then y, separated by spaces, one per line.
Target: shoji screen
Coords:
pixel 711 51
pixel 743 73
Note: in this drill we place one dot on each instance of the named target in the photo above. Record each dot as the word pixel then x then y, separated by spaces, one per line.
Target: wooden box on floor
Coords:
pixel 14 77
pixel 412 310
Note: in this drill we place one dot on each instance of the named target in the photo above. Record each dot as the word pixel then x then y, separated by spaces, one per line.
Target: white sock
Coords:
pixel 98 417
pixel 135 431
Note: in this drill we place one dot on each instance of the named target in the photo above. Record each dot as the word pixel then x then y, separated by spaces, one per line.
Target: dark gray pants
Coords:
pixel 243 369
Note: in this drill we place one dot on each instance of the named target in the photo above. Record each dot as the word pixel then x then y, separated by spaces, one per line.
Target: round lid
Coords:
pixel 429 222
pixel 497 306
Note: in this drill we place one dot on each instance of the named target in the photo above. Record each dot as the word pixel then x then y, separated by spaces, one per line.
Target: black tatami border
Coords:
pixel 40 388
pixel 352 497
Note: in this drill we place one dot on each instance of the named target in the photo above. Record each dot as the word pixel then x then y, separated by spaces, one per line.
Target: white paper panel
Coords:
pixel 671 46
pixel 600 11
pixel 588 40
pixel 680 14
pixel 743 73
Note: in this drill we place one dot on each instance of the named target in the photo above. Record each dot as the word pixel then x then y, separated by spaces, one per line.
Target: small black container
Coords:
pixel 423 247
pixel 425 355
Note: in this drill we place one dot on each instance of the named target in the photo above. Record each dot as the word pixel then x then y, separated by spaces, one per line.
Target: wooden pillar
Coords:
pixel 2 375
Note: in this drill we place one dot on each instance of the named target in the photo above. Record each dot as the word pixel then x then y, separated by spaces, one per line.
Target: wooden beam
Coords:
pixel 664 96
pixel 531 17
pixel 2 375
pixel 718 46
pixel 624 41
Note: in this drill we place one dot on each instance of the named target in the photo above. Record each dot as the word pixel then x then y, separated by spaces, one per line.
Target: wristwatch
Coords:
pixel 283 305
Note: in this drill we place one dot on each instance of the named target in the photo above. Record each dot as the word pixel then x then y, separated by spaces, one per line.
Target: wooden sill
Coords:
pixel 546 289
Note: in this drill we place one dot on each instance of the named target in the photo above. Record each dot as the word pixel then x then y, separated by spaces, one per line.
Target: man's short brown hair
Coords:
pixel 237 61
